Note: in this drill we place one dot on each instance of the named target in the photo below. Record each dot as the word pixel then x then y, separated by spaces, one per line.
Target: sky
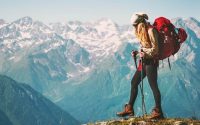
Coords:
pixel 119 11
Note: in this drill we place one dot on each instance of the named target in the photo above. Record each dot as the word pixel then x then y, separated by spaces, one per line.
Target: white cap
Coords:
pixel 138 17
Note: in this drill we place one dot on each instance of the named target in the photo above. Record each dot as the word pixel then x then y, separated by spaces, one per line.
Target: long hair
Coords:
pixel 142 33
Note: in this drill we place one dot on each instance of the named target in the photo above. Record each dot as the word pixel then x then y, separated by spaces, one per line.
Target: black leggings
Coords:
pixel 149 70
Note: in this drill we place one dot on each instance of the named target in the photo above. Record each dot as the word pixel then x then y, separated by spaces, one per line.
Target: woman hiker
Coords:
pixel 148 38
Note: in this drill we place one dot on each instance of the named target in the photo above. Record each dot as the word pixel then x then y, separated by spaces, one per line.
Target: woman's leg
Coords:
pixel 128 109
pixel 151 72
pixel 134 86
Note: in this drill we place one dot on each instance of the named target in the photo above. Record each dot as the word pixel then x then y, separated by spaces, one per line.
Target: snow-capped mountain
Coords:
pixel 194 24
pixel 25 33
pixel 86 68
pixel 32 53
pixel 94 36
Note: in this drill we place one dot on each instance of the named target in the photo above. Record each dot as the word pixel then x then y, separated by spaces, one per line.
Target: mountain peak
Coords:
pixel 192 19
pixel 105 21
pixel 26 18
pixel 177 19
pixel 75 22
pixel 24 21
pixel 2 21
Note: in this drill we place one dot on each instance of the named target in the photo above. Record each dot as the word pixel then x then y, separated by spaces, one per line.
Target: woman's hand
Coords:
pixel 141 54
pixel 134 53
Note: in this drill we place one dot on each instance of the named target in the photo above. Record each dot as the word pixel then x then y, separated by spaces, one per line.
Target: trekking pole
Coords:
pixel 141 85
pixel 142 89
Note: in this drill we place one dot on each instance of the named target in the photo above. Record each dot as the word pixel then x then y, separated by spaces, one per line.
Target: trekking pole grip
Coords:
pixel 134 54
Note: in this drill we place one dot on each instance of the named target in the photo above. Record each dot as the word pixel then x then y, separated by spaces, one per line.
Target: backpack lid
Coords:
pixel 162 22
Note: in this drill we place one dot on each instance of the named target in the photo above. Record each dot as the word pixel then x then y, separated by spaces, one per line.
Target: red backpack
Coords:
pixel 170 37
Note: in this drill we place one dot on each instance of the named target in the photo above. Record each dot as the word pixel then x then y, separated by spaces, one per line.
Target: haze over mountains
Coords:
pixel 86 68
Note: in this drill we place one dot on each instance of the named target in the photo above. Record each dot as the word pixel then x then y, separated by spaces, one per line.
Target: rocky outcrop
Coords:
pixel 144 121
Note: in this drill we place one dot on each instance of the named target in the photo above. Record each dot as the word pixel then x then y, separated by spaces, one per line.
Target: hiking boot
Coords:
pixel 128 111
pixel 156 114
